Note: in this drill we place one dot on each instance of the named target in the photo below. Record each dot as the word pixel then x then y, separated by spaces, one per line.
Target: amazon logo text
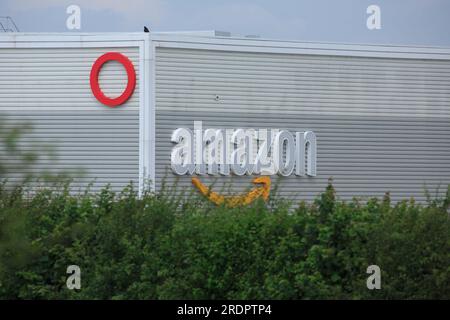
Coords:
pixel 215 151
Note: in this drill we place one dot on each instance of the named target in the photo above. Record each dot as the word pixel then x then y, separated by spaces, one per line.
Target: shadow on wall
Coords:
pixel 20 157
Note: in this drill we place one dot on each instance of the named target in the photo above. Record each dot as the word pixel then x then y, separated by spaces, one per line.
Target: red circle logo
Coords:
pixel 131 74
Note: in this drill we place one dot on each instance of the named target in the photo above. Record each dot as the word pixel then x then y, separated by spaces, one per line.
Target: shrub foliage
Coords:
pixel 161 246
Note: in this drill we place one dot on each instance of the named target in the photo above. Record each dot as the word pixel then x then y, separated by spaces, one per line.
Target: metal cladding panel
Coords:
pixel 382 124
pixel 49 88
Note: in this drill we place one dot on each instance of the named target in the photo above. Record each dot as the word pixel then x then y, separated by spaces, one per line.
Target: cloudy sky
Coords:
pixel 409 22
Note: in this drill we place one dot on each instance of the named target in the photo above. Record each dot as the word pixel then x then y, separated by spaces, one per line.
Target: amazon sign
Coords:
pixel 243 152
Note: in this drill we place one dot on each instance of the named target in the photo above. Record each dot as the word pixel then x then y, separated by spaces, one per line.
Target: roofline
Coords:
pixel 71 37
pixel 205 41
pixel 297 47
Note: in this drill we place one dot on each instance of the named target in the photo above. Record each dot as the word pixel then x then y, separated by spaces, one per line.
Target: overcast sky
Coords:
pixel 410 22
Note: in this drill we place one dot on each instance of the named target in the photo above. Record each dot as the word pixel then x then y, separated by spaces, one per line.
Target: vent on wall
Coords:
pixel 7 24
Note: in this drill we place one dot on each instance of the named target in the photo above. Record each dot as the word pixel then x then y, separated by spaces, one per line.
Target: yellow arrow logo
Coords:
pixel 262 190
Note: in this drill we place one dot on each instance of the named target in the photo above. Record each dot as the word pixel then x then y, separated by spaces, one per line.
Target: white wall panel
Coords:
pixel 49 88
pixel 382 124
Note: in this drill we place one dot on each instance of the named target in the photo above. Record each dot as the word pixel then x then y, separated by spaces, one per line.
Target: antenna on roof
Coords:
pixel 7 24
pixel 146 29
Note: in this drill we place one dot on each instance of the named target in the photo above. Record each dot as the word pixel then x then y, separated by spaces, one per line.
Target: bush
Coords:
pixel 162 246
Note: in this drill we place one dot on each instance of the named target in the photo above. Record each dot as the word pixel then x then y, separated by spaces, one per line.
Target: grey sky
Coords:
pixel 413 22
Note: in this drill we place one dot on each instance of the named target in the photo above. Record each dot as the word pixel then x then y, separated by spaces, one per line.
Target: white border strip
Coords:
pixel 147 117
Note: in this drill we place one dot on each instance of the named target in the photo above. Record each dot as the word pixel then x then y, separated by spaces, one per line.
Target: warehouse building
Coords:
pixel 167 107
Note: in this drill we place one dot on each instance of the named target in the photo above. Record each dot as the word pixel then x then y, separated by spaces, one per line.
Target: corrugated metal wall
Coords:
pixel 382 124
pixel 49 87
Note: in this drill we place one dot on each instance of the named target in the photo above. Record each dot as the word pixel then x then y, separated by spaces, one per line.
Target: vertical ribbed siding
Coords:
pixel 382 124
pixel 49 88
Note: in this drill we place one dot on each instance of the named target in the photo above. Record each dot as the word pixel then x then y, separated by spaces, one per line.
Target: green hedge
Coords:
pixel 168 247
